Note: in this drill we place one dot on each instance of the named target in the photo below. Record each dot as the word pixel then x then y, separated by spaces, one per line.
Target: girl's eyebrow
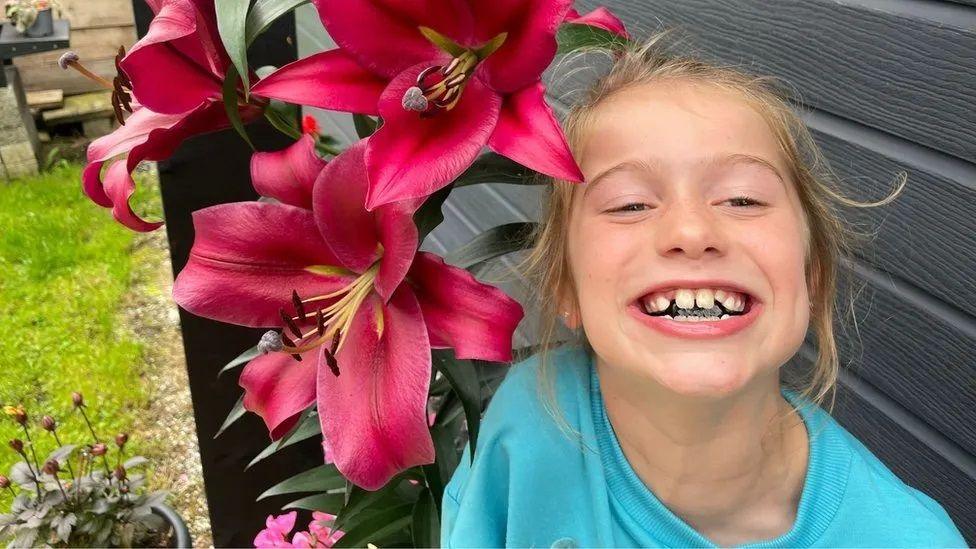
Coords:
pixel 652 165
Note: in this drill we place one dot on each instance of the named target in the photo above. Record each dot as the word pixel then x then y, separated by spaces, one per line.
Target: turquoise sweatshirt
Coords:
pixel 531 486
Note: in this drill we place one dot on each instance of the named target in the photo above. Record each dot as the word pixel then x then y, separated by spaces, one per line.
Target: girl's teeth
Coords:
pixel 685 298
pixel 705 298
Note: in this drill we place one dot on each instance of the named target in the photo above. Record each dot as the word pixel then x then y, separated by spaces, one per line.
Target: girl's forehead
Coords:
pixel 678 121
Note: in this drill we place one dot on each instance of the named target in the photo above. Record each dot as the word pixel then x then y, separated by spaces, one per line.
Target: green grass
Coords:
pixel 65 266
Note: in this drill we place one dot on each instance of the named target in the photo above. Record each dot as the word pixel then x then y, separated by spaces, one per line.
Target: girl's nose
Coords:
pixel 689 228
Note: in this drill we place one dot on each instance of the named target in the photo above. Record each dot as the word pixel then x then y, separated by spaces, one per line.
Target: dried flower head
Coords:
pixel 119 473
pixel 51 467
pixel 121 439
pixel 16 412
pixel 77 399
pixel 99 449
pixel 17 445
pixel 48 423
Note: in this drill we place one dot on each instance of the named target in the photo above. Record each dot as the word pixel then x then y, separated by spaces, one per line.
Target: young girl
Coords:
pixel 691 263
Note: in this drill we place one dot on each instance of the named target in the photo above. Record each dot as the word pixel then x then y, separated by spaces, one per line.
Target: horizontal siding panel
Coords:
pixel 903 74
pixel 920 361
pixel 925 236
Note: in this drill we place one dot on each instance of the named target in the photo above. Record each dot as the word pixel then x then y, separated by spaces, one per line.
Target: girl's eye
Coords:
pixel 744 202
pixel 632 207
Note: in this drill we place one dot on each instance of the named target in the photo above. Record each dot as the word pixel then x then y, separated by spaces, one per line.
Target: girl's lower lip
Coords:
pixel 697 330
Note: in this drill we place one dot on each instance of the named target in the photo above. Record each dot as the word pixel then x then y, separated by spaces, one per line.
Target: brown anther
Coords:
pixel 121 88
pixel 287 340
pixel 331 361
pixel 297 357
pixel 335 343
pixel 320 322
pixel 299 306
pixel 290 323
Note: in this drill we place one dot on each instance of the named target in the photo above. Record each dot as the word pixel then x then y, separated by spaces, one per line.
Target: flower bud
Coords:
pixel 77 399
pixel 51 467
pixel 17 445
pixel 48 423
pixel 119 473
pixel 16 412
pixel 4 482
pixel 99 449
pixel 121 439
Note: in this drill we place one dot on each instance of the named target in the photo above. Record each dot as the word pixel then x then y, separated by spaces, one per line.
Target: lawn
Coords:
pixel 65 267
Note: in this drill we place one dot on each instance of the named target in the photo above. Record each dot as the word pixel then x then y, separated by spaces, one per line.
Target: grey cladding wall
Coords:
pixel 886 87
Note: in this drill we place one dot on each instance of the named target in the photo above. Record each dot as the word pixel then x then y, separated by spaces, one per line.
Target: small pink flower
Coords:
pixel 276 531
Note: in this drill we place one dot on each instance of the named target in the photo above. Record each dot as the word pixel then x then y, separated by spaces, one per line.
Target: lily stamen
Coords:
pixel 331 322
pixel 440 91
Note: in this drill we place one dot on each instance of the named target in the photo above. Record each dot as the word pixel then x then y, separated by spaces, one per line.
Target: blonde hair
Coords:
pixel 827 236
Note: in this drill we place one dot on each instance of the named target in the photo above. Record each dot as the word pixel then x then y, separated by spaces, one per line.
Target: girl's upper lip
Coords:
pixel 711 283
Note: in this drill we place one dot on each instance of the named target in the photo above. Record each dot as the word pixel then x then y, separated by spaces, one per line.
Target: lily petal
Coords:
pixel 338 199
pixel 412 157
pixel 530 45
pixel 329 80
pixel 164 77
pixel 400 239
pixel 528 133
pixel 374 414
pixel 118 188
pixel 279 388
pixel 246 260
pixel 601 18
pixel 288 175
pixel 393 41
pixel 475 319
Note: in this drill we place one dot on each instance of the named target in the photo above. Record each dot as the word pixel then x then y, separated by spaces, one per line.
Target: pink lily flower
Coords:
pixel 601 18
pixel 447 78
pixel 275 533
pixel 175 74
pixel 359 308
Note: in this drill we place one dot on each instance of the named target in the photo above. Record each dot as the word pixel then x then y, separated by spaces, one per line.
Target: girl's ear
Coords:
pixel 569 313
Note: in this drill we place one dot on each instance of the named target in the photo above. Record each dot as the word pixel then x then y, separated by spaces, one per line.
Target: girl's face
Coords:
pixel 686 190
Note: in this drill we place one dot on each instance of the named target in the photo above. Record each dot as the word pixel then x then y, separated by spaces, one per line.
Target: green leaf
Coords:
pixel 230 104
pixel 305 429
pixel 378 526
pixel 327 503
pixel 426 526
pixel 265 12
pixel 494 168
pixel 242 358
pixel 236 413
pixel 495 242
pixel 361 500
pixel 282 122
pixel 574 36
pixel 447 458
pixel 463 378
pixel 231 19
pixel 429 215
pixel 365 125
pixel 320 479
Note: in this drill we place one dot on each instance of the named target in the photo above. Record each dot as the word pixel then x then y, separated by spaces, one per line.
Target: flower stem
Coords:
pixel 66 461
pixel 108 472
